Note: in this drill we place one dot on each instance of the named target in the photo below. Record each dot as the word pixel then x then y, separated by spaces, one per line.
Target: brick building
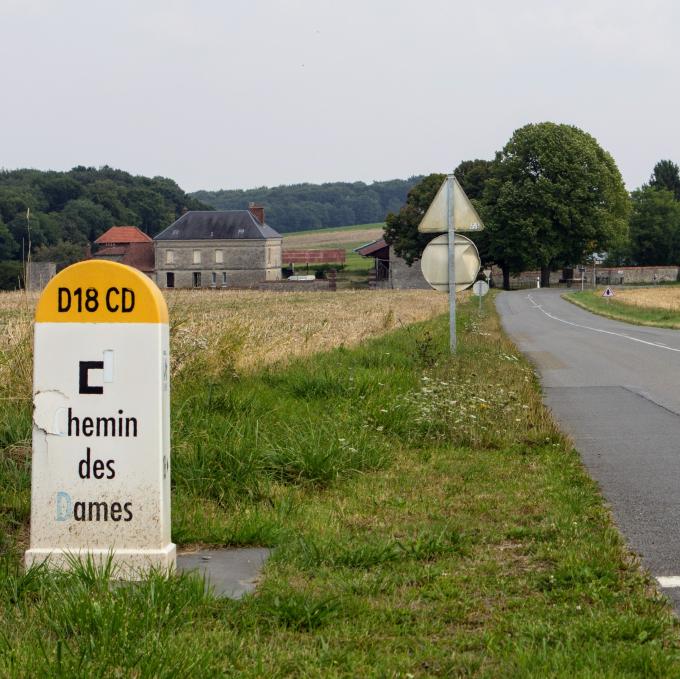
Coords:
pixel 126 245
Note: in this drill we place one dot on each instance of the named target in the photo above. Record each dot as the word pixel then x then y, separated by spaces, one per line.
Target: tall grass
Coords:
pixel 16 374
pixel 248 437
pixel 77 624
pixel 218 339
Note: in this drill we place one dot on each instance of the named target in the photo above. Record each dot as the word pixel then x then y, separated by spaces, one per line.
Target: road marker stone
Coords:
pixel 101 421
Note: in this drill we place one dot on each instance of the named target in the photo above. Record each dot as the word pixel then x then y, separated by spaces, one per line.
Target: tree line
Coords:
pixel 55 214
pixel 654 237
pixel 301 207
pixel 553 198
pixel 550 198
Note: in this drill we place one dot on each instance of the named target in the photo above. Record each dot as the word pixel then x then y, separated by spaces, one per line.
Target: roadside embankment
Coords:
pixel 428 519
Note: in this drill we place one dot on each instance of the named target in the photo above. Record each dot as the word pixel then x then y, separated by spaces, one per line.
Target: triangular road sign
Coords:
pixel 436 219
pixel 464 217
pixel 608 293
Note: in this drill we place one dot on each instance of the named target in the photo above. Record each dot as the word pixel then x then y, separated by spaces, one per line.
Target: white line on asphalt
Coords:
pixel 606 332
pixel 669 581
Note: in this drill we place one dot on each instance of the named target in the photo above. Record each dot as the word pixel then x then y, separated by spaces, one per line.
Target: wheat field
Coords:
pixel 651 298
pixel 247 328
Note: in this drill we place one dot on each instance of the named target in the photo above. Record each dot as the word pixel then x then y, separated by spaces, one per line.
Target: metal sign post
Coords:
pixel 451 209
pixel 452 265
pixel 480 288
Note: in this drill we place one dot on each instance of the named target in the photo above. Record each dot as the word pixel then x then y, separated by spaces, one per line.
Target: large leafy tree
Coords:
pixel 666 175
pixel 84 220
pixel 62 253
pixel 472 175
pixel 655 227
pixel 77 206
pixel 555 195
pixel 401 228
pixel 58 189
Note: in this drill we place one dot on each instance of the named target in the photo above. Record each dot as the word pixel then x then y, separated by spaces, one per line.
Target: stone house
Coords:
pixel 218 249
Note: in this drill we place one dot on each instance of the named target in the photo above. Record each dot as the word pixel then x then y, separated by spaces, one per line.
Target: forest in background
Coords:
pixel 56 214
pixel 60 212
pixel 301 207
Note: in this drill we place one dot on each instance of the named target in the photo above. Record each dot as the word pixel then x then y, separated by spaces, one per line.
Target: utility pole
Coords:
pixel 27 262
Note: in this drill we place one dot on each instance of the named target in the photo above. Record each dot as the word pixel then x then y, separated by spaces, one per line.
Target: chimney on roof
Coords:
pixel 257 211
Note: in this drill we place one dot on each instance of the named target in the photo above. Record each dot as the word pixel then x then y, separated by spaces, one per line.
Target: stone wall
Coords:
pixel 38 274
pixel 638 274
pixel 218 263
pixel 604 275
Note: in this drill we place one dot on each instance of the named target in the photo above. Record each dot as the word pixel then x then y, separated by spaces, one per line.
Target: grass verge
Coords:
pixel 618 310
pixel 428 517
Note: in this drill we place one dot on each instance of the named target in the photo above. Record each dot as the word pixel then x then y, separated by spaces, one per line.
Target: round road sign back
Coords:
pixel 480 288
pixel 435 262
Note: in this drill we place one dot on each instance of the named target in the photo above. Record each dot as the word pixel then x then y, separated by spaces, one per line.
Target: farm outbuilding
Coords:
pixel 205 249
pixel 391 271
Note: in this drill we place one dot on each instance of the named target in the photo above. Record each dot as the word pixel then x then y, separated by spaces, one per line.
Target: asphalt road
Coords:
pixel 615 388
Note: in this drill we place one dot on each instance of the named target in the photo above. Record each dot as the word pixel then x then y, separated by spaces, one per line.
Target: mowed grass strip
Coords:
pixel 658 306
pixel 428 520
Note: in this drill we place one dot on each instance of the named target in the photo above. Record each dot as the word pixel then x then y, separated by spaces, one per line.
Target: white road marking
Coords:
pixel 669 581
pixel 606 332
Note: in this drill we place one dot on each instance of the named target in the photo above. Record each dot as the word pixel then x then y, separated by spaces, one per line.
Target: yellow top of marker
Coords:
pixel 99 291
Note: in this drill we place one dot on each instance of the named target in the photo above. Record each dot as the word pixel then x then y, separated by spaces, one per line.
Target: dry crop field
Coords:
pixel 657 298
pixel 251 327
pixel 332 237
pixel 658 306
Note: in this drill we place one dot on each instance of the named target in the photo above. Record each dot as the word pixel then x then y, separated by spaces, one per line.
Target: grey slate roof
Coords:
pixel 217 225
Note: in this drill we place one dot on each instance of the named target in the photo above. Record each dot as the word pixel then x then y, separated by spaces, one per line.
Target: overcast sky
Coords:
pixel 238 93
